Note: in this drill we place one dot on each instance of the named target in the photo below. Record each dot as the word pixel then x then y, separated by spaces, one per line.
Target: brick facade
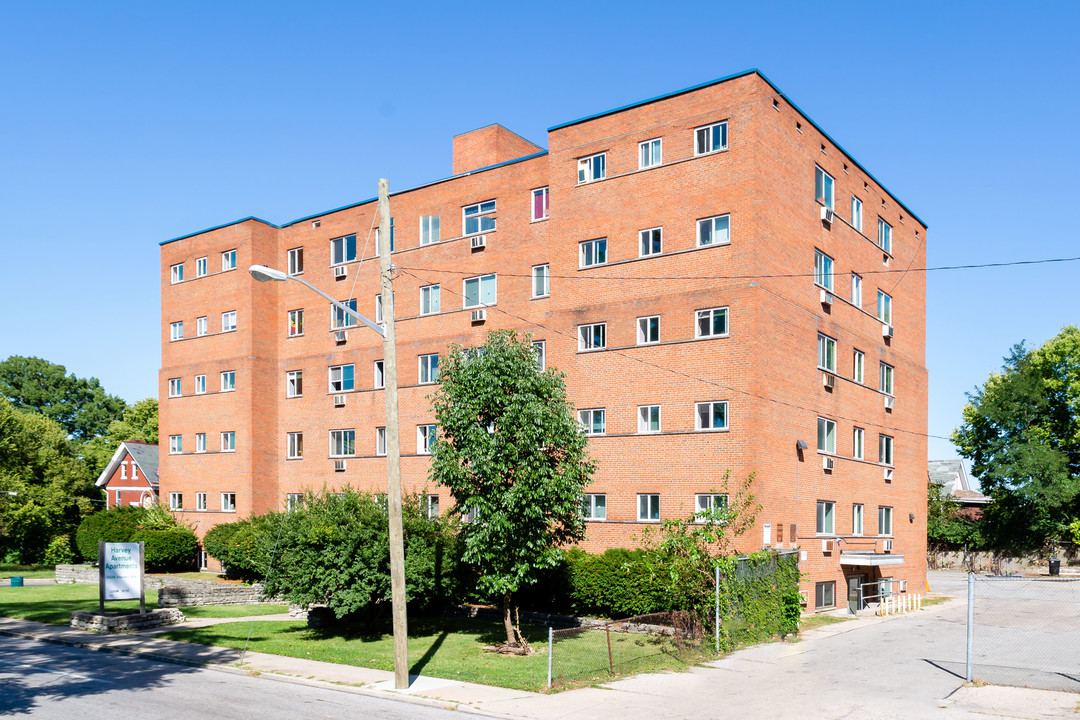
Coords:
pixel 764 365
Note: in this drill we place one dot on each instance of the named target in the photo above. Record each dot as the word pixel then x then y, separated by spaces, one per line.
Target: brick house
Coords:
pixel 722 283
pixel 131 477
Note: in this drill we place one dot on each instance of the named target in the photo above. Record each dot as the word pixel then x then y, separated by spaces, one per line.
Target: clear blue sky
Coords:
pixel 123 124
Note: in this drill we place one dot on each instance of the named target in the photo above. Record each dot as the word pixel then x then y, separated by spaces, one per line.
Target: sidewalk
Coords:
pixel 776 680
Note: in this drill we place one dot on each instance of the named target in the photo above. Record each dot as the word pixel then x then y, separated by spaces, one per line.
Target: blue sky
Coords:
pixel 125 124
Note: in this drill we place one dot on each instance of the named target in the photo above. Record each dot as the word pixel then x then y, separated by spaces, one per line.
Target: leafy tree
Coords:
pixel 1021 432
pixel 513 456
pixel 946 526
pixel 139 422
pixel 80 405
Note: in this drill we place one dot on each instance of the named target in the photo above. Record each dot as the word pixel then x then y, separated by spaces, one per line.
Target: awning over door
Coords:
pixel 870 559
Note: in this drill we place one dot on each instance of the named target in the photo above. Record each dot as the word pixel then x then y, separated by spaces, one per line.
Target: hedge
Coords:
pixel 167 545
pixel 168 550
pixel 116 525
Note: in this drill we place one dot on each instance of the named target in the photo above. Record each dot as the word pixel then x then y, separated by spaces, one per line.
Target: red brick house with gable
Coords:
pixel 131 477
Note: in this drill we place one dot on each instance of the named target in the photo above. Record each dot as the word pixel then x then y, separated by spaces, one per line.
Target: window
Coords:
pixel 228 321
pixel 177 273
pixel 856 213
pixel 826 511
pixel 176 331
pixel 885 450
pixel 200 442
pixel 857 519
pixel 823 270
pixel 858 441
pixel 228 502
pixel 123 470
pixel 339 319
pixel 648 330
pixel 343 250
pixel 884 307
pixel 174 387
pixel 228 381
pixel 650 242
pixel 429 505
pixel 826 353
pixel 592 252
pixel 592 337
pixel 714 231
pixel 886 379
pixel 176 501
pixel 541 281
pixel 480 291
pixel 650 153
pixel 478 218
pixel 429 369
pixel 592 168
pixel 293 501
pixel 425 439
pixel 593 421
pixel 200 501
pixel 380 377
pixel 648 507
pixel 710 416
pixel 380 441
pixel 823 187
pixel 296 261
pixel 710 138
pixel 856 290
pixel 377 230
pixel 540 349
pixel 341 378
pixel 200 267
pixel 228 260
pixel 594 506
pixel 648 419
pixel 296 323
pixel 430 299
pixel 294 445
pixel 706 505
pixel 176 444
pixel 858 360
pixel 540 204
pixel 116 499
pixel 884 235
pixel 342 443
pixel 884 520
pixel 378 308
pixel 825 594
pixel 134 471
pixel 228 441
pixel 429 229
pixel 294 383
pixel 826 435
pixel 201 326
pixel 712 322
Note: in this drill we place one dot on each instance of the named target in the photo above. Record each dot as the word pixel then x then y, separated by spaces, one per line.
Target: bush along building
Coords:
pixel 721 282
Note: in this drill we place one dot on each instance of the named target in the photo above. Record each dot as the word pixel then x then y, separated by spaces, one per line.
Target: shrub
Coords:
pixel 116 525
pixel 59 551
pixel 614 584
pixel 167 549
pixel 243 547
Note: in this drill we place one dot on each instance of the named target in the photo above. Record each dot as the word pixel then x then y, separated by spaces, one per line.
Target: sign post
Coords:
pixel 120 568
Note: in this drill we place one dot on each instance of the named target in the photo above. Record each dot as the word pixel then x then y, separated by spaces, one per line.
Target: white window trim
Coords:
pixel 659 160
pixel 200 442
pixel 427 219
pixel 546 192
pixel 345 246
pixel 202 326
pixel 480 291
pixel 230 266
pixel 586 164
pixel 176 501
pixel 711 128
pixel 378 382
pixel 293 253
pixel 639 513
pixel 176 331
pixel 290 376
pixel 547 281
pixel 590 502
pixel 231 506
pixel 437 290
pixel 827 277
pixel 858 443
pixel 858 366
pixel 330 378
pixel 712 219
pixel 642 330
pixel 885 511
pixel 299 313
pixel 423 442
pixel 176 274
pixel 823 530
pixel 641 242
pixel 229 435
pixel 644 421
pixel 479 217
pixel 175 384
pixel 826 450
pixel 588 426
pixel 593 242
pixel 712 311
pixel 711 403
pixel 202 267
pixel 330 439
pixel 421 361
pixel 582 345
pixel 200 502
pixel 858 519
pixel 290 446
pixel 827 341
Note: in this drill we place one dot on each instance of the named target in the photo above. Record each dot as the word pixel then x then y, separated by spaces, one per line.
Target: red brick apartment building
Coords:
pixel 720 281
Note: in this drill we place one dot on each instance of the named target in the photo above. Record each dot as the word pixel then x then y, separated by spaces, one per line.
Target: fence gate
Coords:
pixel 1024 632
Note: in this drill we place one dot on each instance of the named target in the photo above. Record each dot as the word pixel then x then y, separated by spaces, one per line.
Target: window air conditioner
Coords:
pixel 901 583
pixel 339 466
pixel 339 401
pixel 479 315
pixel 886 545
pixel 826 297
pixel 889 402
pixel 340 336
pixel 828 380
pixel 828 546
pixel 827 214
pixel 888 474
pixel 477 242
pixel 826 463
pixel 804 597
pixel 341 271
pixel 886 331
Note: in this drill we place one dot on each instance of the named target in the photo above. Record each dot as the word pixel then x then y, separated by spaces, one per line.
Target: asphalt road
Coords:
pixel 55 681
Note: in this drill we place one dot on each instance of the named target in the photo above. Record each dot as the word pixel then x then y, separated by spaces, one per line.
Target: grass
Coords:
pixel 451 648
pixel 55 603
pixel 194 575
pixel 813 622
pixel 232 611
pixel 929 602
pixel 28 571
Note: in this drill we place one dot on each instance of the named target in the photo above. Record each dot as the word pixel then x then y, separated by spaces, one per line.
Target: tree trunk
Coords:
pixel 511 641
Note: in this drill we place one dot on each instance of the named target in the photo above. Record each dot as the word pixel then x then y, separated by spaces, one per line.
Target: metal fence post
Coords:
pixel 551 646
pixel 716 627
pixel 970 675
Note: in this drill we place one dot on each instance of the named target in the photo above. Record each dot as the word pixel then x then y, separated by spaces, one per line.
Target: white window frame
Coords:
pixel 590 250
pixel 345 441
pixel 647 238
pixel 884 235
pixel 228 441
pixel 228 502
pixel 716 224
pixel 592 337
pixel 228 381
pixel 341 320
pixel 429 505
pixel 706 503
pixel 200 267
pixel 541 281
pixel 431 299
pixel 886 373
pixel 481 213
pixel 228 260
pixel 123 469
pixel 590 419
pixel 647 328
pixel 592 168
pixel 340 382
pixel 885 521
pixel 824 187
pixel 176 274
pixel 296 322
pixel 858 443
pixel 294 446
pixel 594 506
pixel 647 417
pixel 425 438
pixel 886 447
pixel 176 331
pixel 293 501
pixel 200 442
pixel 380 441
pixel 856 290
pixel 295 261
pixel 856 213
pixel 344 243
pixel 202 326
pixel 544 194
pixel 825 520
pixel 858 366
pixel 705 138
pixel 826 353
pixel 480 281
pixel 175 387
pixel 711 406
pixel 200 502
pixel 378 375
pixel 430 232
pixel 427 372
pixel 540 349
pixel 650 153
pixel 826 435
pixel 825 594
pixel 710 315
pixel 176 501
pixel 858 519
pixel 176 444
pixel 294 384
pixel 823 270
pixel 648 507
pixel 884 307
pixel 228 321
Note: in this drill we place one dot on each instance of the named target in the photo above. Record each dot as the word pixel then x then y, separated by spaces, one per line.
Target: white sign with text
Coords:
pixel 121 571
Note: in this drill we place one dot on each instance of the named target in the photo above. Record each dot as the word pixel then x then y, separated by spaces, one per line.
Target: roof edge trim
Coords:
pixel 218 227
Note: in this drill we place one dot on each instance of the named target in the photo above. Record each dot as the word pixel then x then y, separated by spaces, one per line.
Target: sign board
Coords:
pixel 121 572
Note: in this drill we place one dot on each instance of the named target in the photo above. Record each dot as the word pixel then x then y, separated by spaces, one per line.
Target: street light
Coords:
pixel 393 446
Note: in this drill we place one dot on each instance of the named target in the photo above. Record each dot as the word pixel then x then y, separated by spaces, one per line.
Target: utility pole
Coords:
pixel 393 448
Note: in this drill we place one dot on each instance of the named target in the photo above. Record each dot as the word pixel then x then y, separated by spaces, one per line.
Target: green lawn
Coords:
pixel 27 571
pixel 451 648
pixel 811 622
pixel 55 603
pixel 232 611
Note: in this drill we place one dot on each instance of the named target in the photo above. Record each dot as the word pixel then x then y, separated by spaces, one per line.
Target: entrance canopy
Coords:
pixel 871 559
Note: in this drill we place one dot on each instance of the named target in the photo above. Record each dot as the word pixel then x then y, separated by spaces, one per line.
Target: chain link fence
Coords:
pixel 1024 632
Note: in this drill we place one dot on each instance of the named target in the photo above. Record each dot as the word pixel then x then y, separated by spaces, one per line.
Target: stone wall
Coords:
pixel 175 591
pixel 88 575
pixel 125 622
pixel 988 562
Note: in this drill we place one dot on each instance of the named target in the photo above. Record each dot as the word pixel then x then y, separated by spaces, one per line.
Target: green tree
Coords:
pixel 80 405
pixel 1021 432
pixel 513 456
pixel 946 527
pixel 139 422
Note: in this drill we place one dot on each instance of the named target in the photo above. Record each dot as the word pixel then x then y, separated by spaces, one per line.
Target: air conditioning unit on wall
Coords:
pixel 340 336
pixel 886 545
pixel 828 380
pixel 479 315
pixel 828 214
pixel 339 401
pixel 339 466
pixel 826 298
pixel 886 331
pixel 889 402
pixel 478 242
pixel 341 271
pixel 828 546
pixel 826 463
